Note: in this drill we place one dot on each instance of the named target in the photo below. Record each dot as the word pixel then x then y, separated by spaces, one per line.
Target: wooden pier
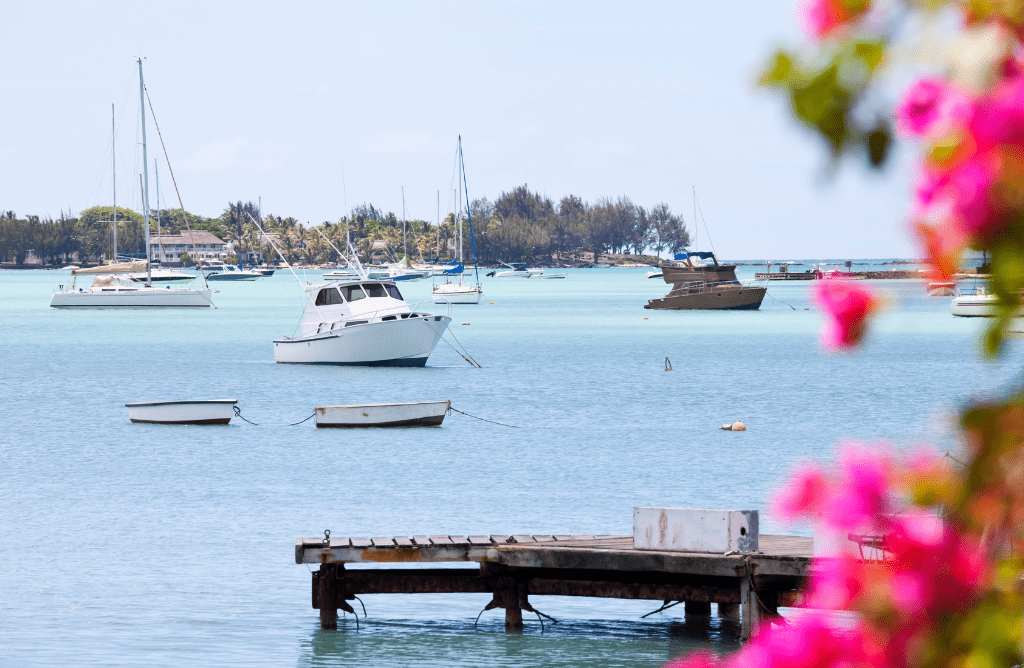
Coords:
pixel 513 568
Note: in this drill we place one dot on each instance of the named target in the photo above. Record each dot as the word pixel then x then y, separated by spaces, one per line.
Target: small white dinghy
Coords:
pixel 419 414
pixel 212 411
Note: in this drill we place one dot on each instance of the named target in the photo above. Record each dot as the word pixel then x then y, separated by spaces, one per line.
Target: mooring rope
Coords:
pixel 483 419
pixel 779 300
pixel 238 413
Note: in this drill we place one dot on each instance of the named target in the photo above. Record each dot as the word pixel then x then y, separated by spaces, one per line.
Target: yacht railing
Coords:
pixel 698 287
pixel 378 314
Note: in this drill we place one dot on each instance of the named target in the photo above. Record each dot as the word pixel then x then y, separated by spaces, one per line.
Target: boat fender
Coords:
pixel 726 427
pixel 465 323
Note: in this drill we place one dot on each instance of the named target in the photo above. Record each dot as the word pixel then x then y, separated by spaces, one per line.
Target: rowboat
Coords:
pixel 211 411
pixel 417 414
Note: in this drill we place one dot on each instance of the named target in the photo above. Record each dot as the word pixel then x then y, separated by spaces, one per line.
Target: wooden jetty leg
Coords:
pixel 751 615
pixel 507 593
pixel 325 597
pixel 729 611
pixel 697 609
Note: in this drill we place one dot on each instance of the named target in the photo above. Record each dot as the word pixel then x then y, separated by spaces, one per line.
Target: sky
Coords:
pixel 317 107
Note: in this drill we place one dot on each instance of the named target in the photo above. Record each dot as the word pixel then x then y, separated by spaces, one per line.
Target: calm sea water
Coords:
pixel 133 545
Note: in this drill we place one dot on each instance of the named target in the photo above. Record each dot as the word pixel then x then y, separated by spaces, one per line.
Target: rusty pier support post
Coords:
pixel 507 594
pixel 329 594
pixel 325 597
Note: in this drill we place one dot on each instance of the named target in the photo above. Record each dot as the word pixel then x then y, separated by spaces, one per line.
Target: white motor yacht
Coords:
pixel 974 302
pixel 230 272
pixel 516 270
pixel 162 276
pixel 362 322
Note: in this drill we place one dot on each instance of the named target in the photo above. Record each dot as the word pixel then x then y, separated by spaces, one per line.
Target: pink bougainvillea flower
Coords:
pixel 928 102
pixel 848 306
pixel 861 492
pixel 970 192
pixel 836 583
pixel 943 244
pixel 803 495
pixel 999 118
pixel 822 17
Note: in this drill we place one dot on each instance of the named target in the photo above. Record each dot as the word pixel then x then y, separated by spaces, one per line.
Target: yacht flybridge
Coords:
pixel 713 286
pixel 362 322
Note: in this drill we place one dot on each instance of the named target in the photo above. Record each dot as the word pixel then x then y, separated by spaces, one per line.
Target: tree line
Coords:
pixel 520 225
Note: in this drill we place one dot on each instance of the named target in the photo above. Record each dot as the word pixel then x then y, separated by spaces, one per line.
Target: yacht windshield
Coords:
pixel 353 292
pixel 393 291
pixel 328 296
pixel 374 290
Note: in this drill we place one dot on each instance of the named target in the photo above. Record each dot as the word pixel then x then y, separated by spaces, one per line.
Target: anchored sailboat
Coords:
pixel 449 291
pixel 115 287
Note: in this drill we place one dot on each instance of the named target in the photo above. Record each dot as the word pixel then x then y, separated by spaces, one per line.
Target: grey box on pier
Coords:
pixel 695 530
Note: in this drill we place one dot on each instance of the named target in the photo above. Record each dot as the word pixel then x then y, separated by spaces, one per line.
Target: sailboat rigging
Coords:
pixel 114 287
pixel 449 291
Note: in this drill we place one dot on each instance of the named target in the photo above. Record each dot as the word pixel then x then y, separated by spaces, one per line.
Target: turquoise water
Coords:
pixel 132 544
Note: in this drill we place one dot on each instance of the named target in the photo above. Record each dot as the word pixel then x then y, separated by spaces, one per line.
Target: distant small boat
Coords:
pixel 419 414
pixel 230 272
pixel 212 411
pixel 517 270
pixel 541 274
pixel 655 274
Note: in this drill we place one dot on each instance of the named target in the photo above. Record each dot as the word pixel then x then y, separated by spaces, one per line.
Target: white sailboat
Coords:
pixel 109 290
pixel 450 291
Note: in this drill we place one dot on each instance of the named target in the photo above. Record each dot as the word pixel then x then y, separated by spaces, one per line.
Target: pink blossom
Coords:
pixel 924 104
pixel 836 583
pixel 804 494
pixel 848 306
pixel 970 191
pixel 862 490
pixel 999 118
pixel 822 17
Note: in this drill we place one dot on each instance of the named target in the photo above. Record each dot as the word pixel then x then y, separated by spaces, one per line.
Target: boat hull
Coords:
pixel 234 277
pixel 406 342
pixel 466 295
pixel 133 298
pixel 420 414
pixel 215 411
pixel 974 306
pixel 724 300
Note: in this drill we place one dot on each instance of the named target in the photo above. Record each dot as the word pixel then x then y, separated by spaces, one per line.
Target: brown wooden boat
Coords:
pixel 715 286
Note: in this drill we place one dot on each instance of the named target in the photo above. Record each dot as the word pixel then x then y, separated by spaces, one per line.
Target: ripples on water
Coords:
pixel 140 544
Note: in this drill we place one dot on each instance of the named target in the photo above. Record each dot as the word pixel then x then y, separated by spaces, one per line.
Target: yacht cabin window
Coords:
pixel 353 292
pixel 328 297
pixel 374 290
pixel 393 291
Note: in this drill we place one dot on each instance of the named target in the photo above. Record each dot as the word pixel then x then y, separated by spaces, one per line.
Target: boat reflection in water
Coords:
pixel 715 286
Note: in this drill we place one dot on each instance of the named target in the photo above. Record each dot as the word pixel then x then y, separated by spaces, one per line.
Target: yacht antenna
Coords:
pixel 145 171
pixel 696 230
pixel 359 266
pixel 405 244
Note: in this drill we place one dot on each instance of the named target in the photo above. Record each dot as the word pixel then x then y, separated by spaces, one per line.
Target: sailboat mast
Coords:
pixel 437 244
pixel 696 230
pixel 405 244
pixel 113 174
pixel 145 172
pixel 469 215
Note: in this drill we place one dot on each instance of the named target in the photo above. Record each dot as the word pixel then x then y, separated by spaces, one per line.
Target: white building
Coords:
pixel 169 247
